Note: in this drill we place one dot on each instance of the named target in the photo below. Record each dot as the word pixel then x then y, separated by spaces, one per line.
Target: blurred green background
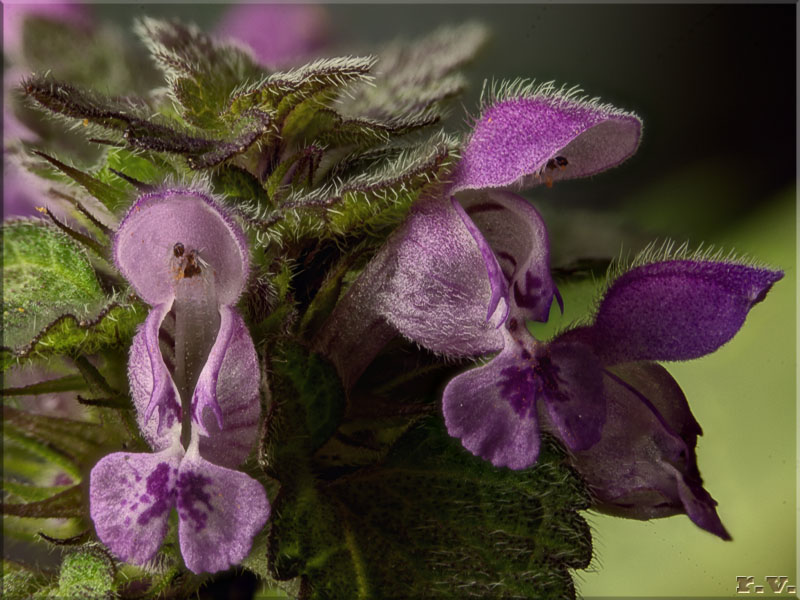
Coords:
pixel 715 86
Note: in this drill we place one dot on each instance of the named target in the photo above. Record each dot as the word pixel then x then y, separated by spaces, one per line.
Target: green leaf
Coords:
pixel 113 327
pixel 367 193
pixel 319 397
pixel 417 77
pixel 68 503
pixel 200 71
pixel 433 521
pixel 46 275
pixel 77 441
pixel 87 573
pixel 280 92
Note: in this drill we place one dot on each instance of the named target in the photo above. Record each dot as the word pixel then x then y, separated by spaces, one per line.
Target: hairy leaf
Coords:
pixel 434 521
pixel 417 77
pixel 69 334
pixel 280 92
pixel 46 275
pixel 367 192
pixel 200 71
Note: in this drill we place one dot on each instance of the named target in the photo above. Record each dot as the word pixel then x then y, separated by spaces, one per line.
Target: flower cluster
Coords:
pixel 471 265
pixel 192 356
pixel 308 242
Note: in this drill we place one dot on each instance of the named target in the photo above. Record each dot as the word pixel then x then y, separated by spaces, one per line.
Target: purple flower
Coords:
pixel 644 465
pixel 464 273
pixel 475 257
pixel 183 255
pixel 193 355
pixel 279 34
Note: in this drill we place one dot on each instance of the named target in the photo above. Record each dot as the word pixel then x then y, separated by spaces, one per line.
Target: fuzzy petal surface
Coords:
pixel 676 310
pixel 130 498
pixel 570 381
pixel 515 137
pixel 152 387
pixel 642 468
pixel 517 236
pixel 220 511
pixel 278 34
pixel 433 285
pixel 236 390
pixel 145 245
pixel 492 410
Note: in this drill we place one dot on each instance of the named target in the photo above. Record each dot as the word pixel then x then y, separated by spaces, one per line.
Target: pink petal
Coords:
pixel 220 511
pixel 130 499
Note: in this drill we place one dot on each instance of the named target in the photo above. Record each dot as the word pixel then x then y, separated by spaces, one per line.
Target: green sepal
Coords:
pixel 89 573
pixel 366 194
pixel 21 581
pixel 68 383
pixel 31 493
pixel 46 275
pixel 418 76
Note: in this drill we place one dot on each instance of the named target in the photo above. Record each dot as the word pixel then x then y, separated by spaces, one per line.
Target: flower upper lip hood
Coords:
pixel 147 235
pixel 523 126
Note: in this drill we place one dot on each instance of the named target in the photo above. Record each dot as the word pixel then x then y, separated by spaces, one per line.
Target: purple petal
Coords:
pixel 220 511
pixel 146 247
pixel 676 310
pixel 152 386
pixel 130 499
pixel 236 390
pixel 432 284
pixel 514 138
pixel 571 383
pixel 497 282
pixel 518 238
pixel 492 409
pixel 642 468
pixel 205 392
pixel 279 34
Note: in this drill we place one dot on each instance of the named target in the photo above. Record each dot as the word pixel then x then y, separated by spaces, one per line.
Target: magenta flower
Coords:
pixel 278 34
pixel 461 277
pixel 193 355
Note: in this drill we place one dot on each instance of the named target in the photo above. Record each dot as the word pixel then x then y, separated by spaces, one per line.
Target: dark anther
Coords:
pixel 178 250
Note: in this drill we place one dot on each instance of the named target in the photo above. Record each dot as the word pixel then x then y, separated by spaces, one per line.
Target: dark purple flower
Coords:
pixel 461 277
pixel 467 268
pixel 279 34
pixel 189 260
pixel 644 464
